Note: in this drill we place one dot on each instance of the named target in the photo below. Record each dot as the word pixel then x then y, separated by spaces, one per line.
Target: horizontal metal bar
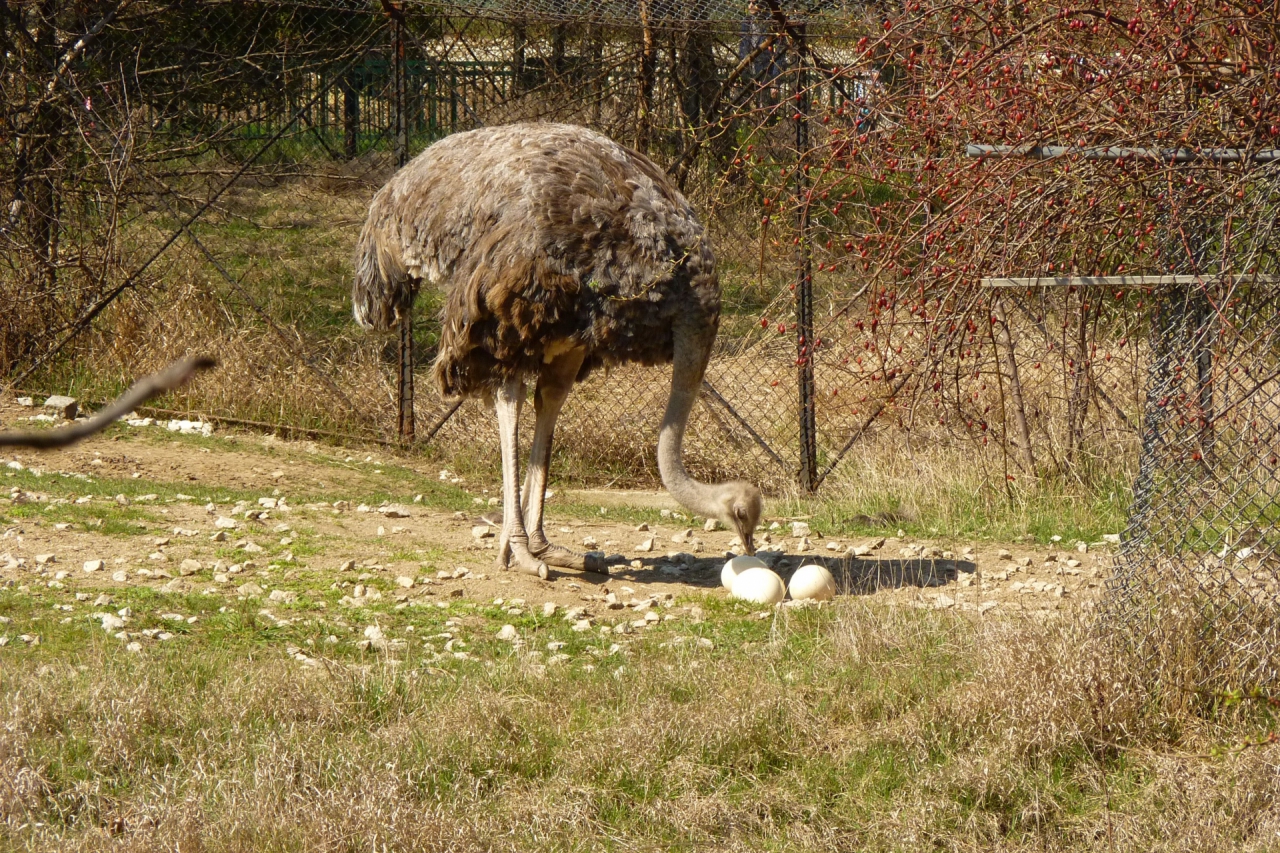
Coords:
pixel 1110 152
pixel 1123 280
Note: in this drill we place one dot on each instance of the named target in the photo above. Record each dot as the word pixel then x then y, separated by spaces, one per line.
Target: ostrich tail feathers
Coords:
pixel 381 283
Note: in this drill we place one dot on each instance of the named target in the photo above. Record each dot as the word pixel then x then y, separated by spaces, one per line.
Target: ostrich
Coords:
pixel 557 251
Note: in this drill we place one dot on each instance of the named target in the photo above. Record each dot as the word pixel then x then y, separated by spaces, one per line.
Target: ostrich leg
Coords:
pixel 507 402
pixel 554 384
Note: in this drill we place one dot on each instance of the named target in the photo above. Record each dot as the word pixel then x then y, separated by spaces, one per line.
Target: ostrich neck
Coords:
pixel 688 364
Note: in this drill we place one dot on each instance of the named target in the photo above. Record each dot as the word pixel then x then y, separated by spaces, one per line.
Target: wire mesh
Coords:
pixel 1197 581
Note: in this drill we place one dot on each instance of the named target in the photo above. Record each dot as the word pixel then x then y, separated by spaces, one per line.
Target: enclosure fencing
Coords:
pixel 192 178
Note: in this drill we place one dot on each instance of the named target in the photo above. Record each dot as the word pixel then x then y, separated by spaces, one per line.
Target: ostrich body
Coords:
pixel 557 251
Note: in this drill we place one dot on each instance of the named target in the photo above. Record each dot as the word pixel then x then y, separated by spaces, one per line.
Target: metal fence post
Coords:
pixel 401 142
pixel 808 475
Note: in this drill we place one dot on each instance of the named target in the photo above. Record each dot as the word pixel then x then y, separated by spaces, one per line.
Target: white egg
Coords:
pixel 812 582
pixel 759 585
pixel 737 565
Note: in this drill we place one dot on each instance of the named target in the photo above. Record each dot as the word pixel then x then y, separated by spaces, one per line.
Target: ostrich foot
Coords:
pixel 512 556
pixel 564 558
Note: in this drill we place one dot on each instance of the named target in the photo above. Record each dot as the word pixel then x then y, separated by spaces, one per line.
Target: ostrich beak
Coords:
pixel 748 541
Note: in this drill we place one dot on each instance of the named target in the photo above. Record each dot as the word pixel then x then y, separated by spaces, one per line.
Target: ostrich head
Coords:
pixel 740 505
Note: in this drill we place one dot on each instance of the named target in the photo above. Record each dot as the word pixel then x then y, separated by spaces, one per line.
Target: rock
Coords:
pixel 1002 554
pixel 711 525
pixel 220 536
pixel 800 529
pixel 943 601
pixel 285 595
pixel 224 523
pixel 646 545
pixel 1024 562
pixel 642 528
pixel 134 647
pixel 1082 547
pixel 1112 538
pixel 26 401
pixel 582 625
pixel 590 542
pixel 63 407
pixel 508 634
pixel 482 531
pixel 347 566
pixel 394 511
pixel 704 643
pixel 804 545
pixel 682 537
pixel 189 567
pixel 249 590
pixel 404 581
pixel 252 548
pixel 549 609
pixel 111 622
pixel 94 565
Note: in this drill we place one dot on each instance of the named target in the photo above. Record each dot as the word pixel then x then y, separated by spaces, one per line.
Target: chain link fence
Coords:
pixel 192 178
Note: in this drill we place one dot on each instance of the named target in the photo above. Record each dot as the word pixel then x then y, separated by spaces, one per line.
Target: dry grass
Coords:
pixel 866 727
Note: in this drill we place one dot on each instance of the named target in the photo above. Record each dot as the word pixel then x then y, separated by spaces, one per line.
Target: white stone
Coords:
pixel 111 622
pixel 549 609
pixel 481 531
pixel 508 634
pixel 284 595
pixel 224 523
pixel 582 625
pixel 94 565
pixel 189 567
pixel 404 581
pixel 646 545
pixel 800 529
pixel 66 407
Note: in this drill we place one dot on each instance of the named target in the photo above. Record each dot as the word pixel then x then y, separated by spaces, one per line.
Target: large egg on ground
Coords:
pixel 737 566
pixel 760 586
pixel 812 582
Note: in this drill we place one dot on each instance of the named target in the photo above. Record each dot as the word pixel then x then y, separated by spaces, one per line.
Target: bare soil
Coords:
pixel 438 548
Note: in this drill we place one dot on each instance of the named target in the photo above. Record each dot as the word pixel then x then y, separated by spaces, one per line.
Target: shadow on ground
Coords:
pixel 853 575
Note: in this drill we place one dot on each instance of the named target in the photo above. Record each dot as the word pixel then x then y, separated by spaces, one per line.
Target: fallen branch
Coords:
pixel 144 389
